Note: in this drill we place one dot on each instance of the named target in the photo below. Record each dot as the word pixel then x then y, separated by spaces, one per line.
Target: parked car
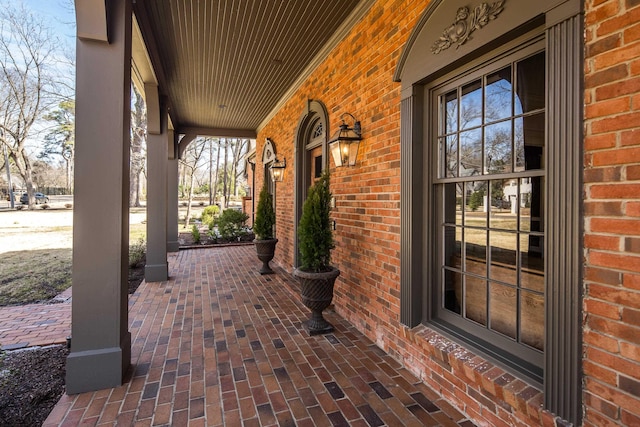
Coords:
pixel 16 195
pixel 40 198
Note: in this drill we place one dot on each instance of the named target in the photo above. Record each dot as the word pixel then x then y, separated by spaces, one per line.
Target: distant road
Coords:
pixel 25 229
pixel 54 201
pixel 61 199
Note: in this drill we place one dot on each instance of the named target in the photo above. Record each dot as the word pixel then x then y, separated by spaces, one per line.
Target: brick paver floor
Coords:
pixel 36 324
pixel 219 344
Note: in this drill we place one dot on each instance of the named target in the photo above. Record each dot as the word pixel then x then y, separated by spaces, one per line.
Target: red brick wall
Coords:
pixel 612 213
pixel 357 78
pixel 360 73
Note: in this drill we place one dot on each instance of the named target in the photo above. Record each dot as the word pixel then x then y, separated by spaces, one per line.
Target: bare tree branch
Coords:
pixel 27 48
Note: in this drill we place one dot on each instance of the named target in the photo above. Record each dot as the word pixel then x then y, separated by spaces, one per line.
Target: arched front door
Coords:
pixel 311 155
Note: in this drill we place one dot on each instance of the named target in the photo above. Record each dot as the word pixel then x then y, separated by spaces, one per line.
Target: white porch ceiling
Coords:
pixel 226 65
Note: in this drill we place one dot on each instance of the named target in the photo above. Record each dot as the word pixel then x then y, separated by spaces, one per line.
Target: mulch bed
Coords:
pixel 32 380
pixel 31 383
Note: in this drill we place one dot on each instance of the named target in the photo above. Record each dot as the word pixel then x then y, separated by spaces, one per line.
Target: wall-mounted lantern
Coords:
pixel 345 143
pixel 277 170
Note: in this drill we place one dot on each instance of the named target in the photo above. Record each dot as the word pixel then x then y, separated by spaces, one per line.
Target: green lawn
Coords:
pixel 39 275
pixel 31 276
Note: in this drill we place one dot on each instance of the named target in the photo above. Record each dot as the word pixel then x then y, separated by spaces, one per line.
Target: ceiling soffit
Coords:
pixel 227 64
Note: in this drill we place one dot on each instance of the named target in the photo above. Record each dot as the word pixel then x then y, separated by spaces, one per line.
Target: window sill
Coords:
pixel 453 371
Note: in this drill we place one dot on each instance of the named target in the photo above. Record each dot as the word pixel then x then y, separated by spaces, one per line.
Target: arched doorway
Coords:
pixel 311 156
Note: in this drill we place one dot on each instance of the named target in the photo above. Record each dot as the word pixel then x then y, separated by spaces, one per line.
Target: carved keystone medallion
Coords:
pixel 466 23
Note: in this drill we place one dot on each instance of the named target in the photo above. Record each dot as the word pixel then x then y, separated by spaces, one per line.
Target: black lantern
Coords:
pixel 345 143
pixel 277 170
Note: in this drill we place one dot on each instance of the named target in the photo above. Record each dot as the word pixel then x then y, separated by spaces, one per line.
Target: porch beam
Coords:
pixel 218 132
pixel 152 100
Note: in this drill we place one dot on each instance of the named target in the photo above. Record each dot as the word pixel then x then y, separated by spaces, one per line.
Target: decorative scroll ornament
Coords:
pixel 466 23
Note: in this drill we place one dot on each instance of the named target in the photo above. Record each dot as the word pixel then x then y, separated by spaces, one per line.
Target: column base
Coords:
pixel 173 246
pixel 156 272
pixel 93 370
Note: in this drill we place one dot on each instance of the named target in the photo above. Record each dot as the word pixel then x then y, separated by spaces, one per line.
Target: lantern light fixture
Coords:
pixel 277 170
pixel 345 142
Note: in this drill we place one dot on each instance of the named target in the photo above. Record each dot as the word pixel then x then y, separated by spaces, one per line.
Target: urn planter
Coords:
pixel 265 249
pixel 317 293
pixel 263 227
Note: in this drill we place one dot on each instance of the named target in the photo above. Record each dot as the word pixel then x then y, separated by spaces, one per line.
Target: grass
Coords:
pixel 31 276
pixel 137 232
pixel 39 275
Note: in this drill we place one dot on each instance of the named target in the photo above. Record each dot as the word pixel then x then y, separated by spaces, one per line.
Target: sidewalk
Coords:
pixel 36 324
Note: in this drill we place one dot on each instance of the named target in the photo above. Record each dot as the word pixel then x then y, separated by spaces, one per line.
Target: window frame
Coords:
pixel 562 22
pixel 512 355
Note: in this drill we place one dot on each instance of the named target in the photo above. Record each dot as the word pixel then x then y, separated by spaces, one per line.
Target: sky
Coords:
pixel 61 14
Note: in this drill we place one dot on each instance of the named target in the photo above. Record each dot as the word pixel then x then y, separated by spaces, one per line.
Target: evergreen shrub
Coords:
pixel 265 216
pixel 315 231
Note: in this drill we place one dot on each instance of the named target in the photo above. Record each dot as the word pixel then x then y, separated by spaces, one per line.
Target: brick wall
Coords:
pixel 612 213
pixel 357 78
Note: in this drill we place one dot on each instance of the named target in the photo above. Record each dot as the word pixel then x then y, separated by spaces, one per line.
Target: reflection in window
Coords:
pixel 471 152
pixel 498 150
pixel 450 150
pixel 491 180
pixel 501 131
pixel 498 95
pixel 471 105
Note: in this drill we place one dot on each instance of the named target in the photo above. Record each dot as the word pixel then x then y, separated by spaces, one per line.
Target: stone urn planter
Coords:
pixel 266 250
pixel 315 237
pixel 316 290
pixel 263 227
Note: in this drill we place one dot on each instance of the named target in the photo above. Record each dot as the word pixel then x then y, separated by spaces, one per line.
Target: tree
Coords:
pixel 191 161
pixel 61 140
pixel 47 175
pixel 215 184
pixel 476 199
pixel 239 150
pixel 232 168
pixel 26 55
pixel 225 170
pixel 138 146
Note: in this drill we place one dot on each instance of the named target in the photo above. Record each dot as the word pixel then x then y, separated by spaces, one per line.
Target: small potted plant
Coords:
pixel 263 228
pixel 315 237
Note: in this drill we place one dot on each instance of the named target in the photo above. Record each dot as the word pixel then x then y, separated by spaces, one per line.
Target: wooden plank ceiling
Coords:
pixel 226 64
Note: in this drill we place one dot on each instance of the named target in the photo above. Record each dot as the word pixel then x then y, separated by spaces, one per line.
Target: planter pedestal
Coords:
pixel 317 293
pixel 266 250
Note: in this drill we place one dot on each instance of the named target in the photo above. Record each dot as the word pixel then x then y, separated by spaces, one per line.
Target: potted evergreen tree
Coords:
pixel 315 238
pixel 263 228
